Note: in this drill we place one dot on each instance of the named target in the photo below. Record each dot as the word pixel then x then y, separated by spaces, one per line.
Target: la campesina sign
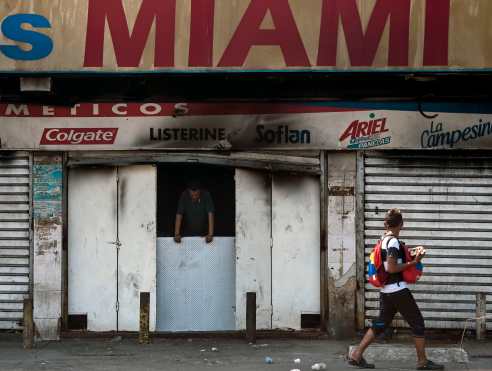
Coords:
pixel 208 35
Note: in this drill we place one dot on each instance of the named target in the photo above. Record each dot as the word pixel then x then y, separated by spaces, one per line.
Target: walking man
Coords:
pixel 395 297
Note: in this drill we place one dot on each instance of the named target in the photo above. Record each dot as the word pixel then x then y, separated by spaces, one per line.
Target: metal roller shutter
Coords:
pixel 446 202
pixel 14 237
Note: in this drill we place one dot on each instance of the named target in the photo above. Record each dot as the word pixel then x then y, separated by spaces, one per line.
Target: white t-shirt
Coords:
pixel 392 243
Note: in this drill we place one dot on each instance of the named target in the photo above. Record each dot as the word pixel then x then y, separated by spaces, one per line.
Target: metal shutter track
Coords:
pixel 447 207
pixel 14 238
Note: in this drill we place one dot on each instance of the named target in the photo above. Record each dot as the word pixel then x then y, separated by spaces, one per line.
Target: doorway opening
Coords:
pixel 195 276
pixel 172 181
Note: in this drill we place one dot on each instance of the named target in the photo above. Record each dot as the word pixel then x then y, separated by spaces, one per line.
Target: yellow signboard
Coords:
pixel 244 35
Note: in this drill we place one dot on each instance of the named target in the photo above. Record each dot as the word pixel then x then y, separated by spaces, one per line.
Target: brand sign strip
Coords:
pixel 315 126
pixel 244 35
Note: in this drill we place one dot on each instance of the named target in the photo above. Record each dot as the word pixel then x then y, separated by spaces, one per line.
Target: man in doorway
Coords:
pixel 195 215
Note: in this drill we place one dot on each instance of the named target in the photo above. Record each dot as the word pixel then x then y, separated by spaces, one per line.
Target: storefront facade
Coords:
pixel 276 210
pixel 302 153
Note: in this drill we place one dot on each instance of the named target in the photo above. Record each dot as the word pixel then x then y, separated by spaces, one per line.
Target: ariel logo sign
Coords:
pixel 366 134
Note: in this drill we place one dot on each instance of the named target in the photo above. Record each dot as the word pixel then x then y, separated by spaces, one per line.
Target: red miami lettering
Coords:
pixel 128 47
pixel 337 16
pixel 248 34
pixel 202 33
pixel 362 46
pixel 436 42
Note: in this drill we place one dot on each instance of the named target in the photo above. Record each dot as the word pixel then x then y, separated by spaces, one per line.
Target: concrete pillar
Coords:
pixel 47 254
pixel 481 313
pixel 342 280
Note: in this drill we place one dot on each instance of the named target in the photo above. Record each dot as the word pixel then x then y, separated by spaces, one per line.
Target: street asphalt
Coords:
pixel 125 354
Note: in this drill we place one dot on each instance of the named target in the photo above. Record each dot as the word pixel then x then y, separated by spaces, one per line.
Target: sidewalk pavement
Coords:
pixel 197 354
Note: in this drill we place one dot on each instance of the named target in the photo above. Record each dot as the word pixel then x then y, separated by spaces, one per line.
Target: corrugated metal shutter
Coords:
pixel 446 202
pixel 14 237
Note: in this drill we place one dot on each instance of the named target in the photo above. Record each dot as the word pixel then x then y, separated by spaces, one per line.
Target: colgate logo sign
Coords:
pixel 78 136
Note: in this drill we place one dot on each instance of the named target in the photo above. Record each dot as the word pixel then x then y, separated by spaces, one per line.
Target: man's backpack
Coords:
pixel 377 275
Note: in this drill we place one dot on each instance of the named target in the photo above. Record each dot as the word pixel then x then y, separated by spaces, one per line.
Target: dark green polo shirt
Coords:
pixel 195 214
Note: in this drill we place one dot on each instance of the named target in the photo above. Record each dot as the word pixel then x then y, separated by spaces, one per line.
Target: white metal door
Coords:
pixel 91 246
pixel 296 249
pixel 15 188
pixel 137 234
pixel 253 246
pixel 112 245
pixel 446 202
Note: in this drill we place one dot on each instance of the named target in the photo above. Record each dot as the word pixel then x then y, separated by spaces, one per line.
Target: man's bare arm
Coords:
pixel 394 267
pixel 177 228
pixel 211 221
pixel 210 236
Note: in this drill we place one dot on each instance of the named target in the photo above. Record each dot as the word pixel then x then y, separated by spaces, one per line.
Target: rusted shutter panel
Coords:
pixel 446 200
pixel 14 237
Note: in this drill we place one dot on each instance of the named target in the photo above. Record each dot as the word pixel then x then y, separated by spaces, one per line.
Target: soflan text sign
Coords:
pixel 243 126
pixel 208 35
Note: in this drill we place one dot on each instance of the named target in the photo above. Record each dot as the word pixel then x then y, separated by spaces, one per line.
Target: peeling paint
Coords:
pixel 342 298
pixel 344 278
pixel 241 228
pixel 151 226
pixel 341 191
pixel 47 215
pixel 47 247
pixel 132 283
pixel 342 272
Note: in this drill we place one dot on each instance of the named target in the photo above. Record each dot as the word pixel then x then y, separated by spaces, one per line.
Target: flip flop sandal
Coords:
pixel 361 363
pixel 429 365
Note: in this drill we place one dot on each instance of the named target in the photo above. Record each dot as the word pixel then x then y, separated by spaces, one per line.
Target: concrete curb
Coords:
pixel 406 353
